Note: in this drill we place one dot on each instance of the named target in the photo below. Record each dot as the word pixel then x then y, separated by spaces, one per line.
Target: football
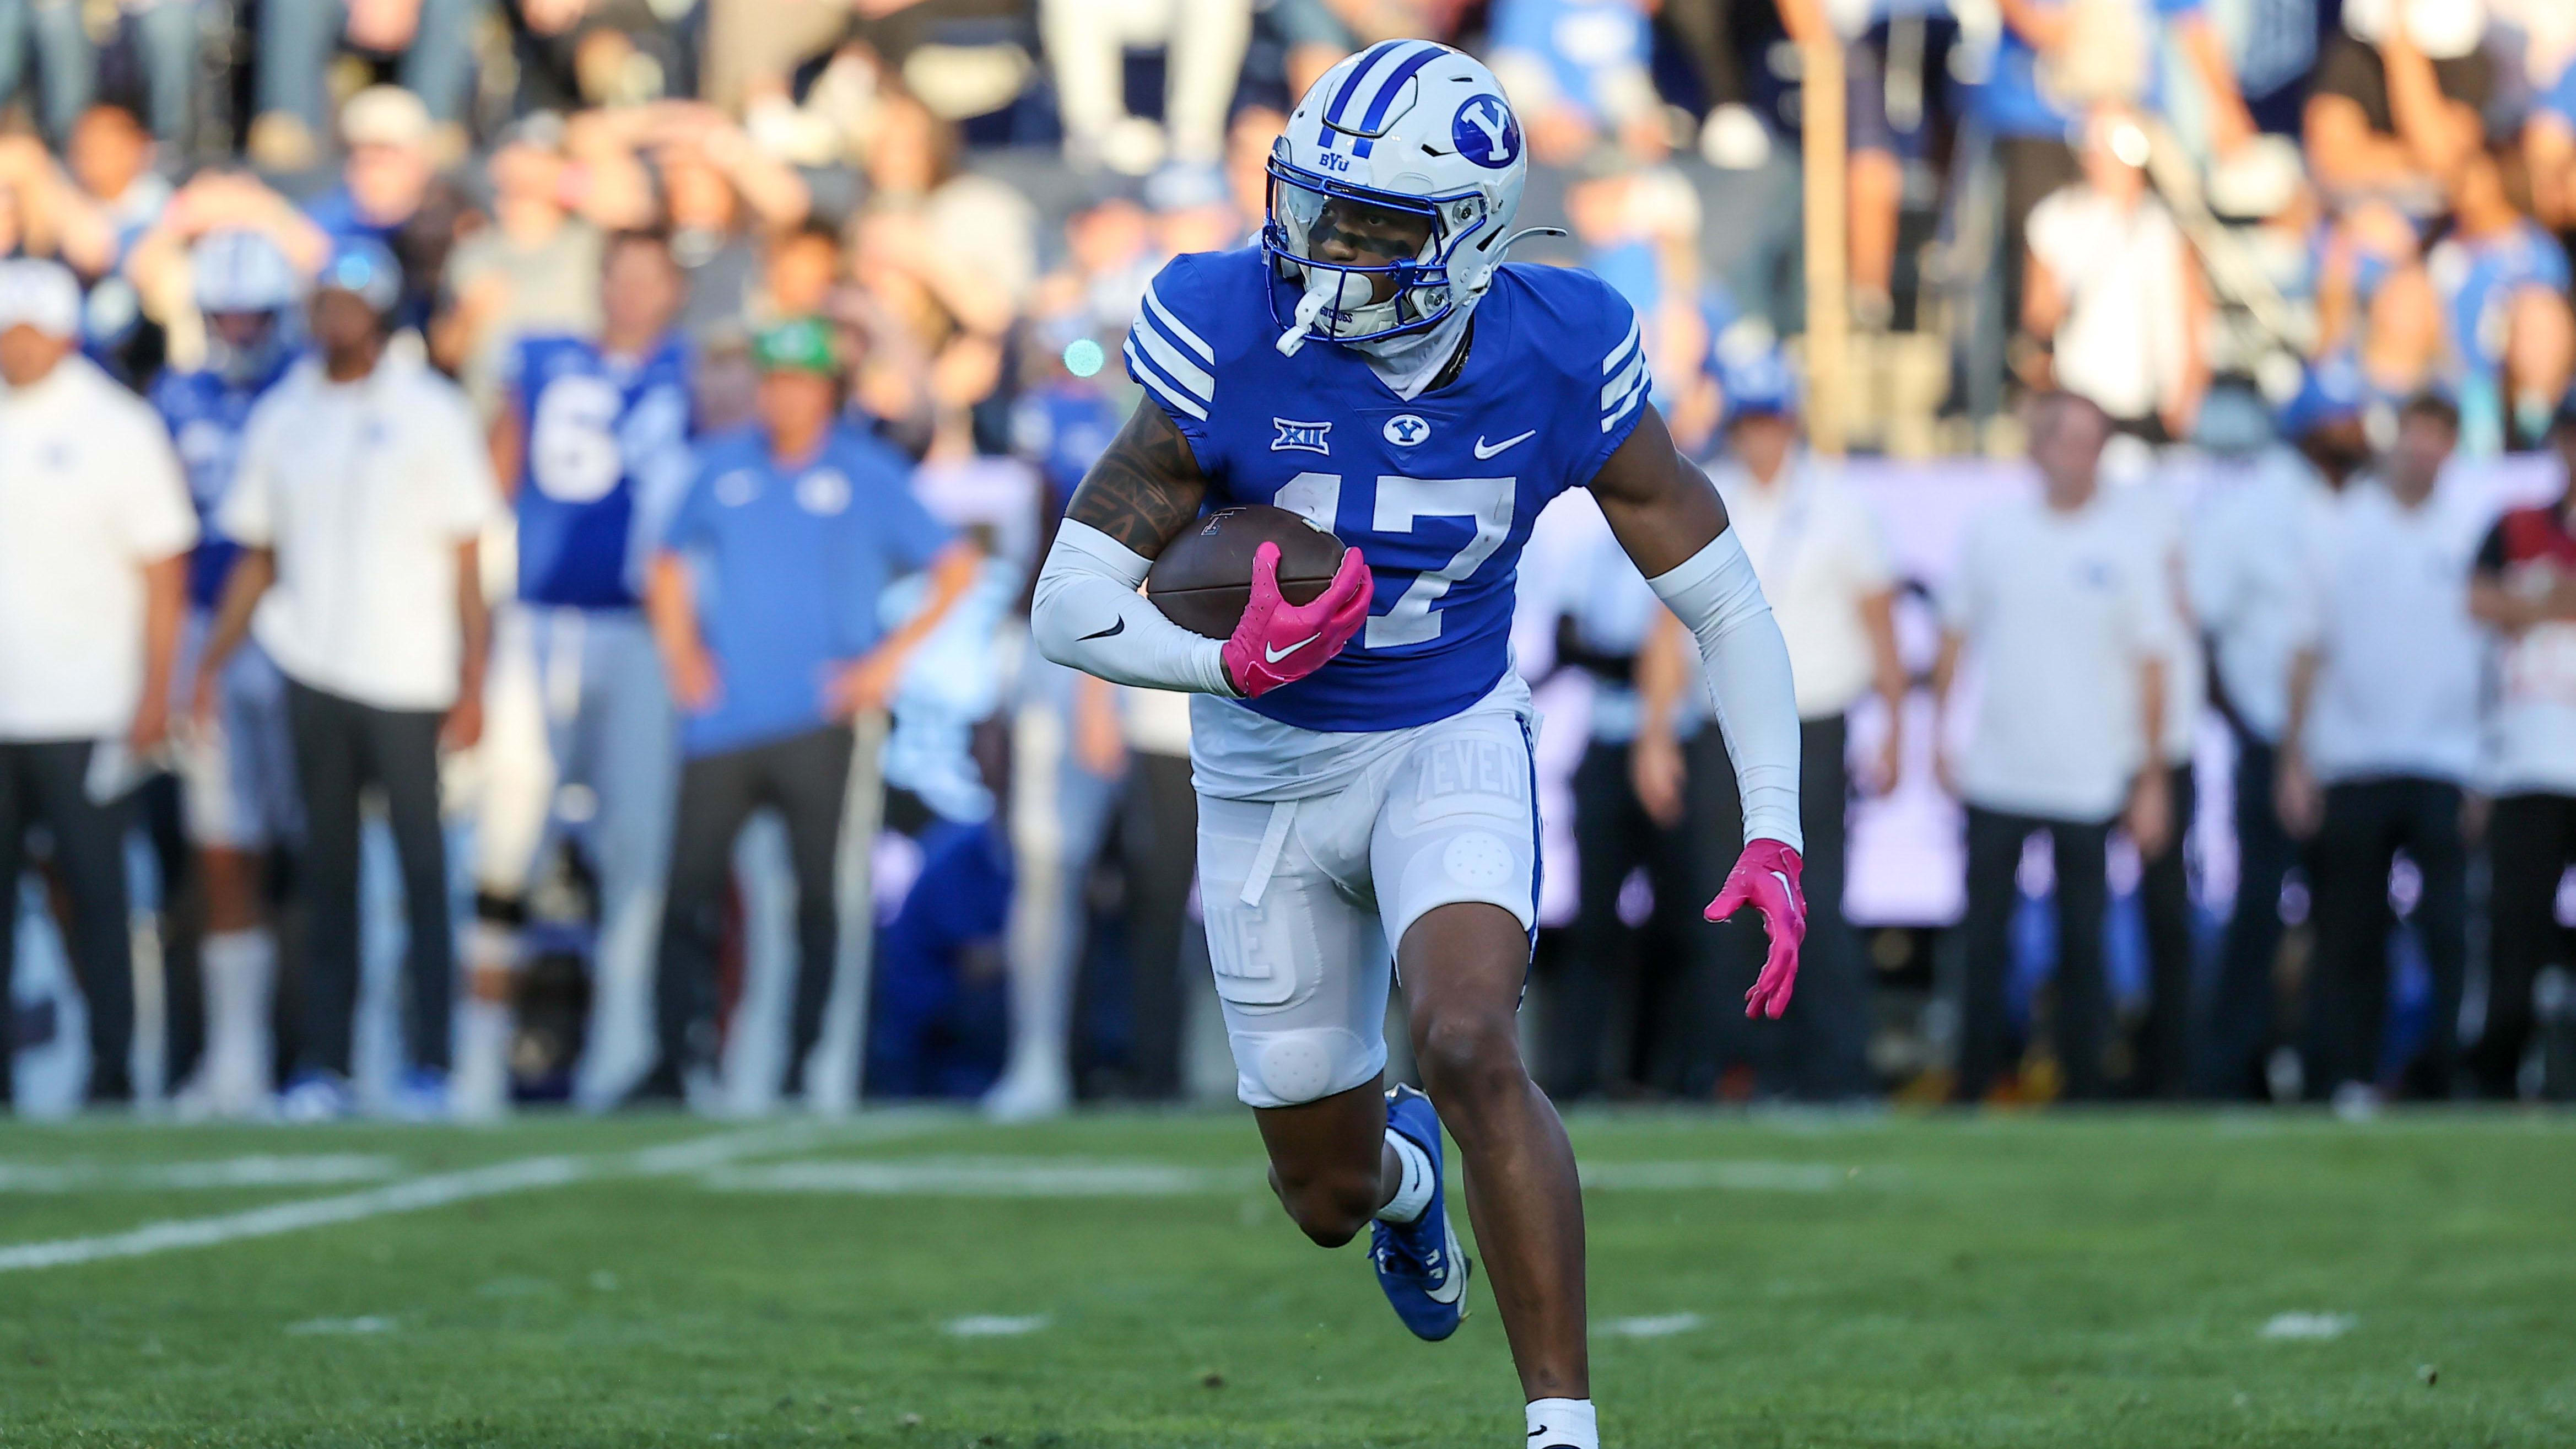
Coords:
pixel 1204 577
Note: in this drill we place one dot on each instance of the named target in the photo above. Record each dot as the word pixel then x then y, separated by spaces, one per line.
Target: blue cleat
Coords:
pixel 1419 1263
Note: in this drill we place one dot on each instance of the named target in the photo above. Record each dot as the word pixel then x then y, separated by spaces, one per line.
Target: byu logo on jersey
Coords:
pixel 1406 429
pixel 823 492
pixel 1486 133
pixel 1302 437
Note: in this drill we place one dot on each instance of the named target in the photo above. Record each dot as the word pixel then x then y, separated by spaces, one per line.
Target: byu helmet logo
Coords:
pixel 1486 132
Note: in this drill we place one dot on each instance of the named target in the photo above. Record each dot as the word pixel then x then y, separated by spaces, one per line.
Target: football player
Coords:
pixel 592 446
pixel 1363 760
pixel 238 772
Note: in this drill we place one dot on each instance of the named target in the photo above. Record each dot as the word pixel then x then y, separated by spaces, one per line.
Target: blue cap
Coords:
pixel 363 265
pixel 2334 391
pixel 1758 384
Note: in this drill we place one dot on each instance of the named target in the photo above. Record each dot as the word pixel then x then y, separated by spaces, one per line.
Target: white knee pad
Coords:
pixel 1295 1065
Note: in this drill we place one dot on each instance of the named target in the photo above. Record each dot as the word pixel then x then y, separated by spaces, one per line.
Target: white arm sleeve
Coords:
pixel 1715 594
pixel 1087 615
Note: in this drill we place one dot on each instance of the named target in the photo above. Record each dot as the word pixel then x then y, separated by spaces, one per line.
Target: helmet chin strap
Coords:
pixel 1408 360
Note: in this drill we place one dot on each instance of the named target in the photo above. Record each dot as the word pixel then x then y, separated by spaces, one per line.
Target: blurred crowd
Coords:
pixel 714 370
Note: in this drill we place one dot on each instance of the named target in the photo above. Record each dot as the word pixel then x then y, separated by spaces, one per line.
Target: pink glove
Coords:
pixel 1277 642
pixel 1766 878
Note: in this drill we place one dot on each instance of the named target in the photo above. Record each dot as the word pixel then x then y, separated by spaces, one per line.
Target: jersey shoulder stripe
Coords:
pixel 1175 359
pixel 1625 369
pixel 1174 348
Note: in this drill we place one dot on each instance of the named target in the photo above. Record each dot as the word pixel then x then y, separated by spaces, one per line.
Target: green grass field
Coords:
pixel 1125 1281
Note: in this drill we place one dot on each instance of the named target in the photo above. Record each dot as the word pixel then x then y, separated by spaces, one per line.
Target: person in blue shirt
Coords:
pixel 2494 273
pixel 239 776
pixel 592 449
pixel 764 602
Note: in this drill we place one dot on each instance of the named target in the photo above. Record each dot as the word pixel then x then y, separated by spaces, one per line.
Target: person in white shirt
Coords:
pixel 362 489
pixel 1823 564
pixel 2160 1048
pixel 2381 741
pixel 2525 590
pixel 2253 550
pixel 1603 619
pixel 95 528
pixel 2111 295
pixel 2065 621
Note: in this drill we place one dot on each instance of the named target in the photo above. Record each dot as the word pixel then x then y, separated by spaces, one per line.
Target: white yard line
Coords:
pixel 330 1169
pixel 1039 1177
pixel 524 1174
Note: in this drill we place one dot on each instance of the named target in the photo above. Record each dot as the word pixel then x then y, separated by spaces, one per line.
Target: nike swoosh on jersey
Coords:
pixel 1111 632
pixel 1275 655
pixel 1483 451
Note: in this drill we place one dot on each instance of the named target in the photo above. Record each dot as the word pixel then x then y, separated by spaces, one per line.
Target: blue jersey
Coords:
pixel 607 440
pixel 205 412
pixel 1438 493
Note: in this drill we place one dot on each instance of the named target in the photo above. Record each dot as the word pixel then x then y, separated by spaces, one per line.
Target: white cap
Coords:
pixel 385 116
pixel 39 294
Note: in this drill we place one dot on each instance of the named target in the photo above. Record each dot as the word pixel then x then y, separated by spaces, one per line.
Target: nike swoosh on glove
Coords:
pixel 1277 642
pixel 1766 878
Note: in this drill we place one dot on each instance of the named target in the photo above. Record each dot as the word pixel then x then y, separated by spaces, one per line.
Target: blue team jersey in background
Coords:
pixel 788 565
pixel 1438 493
pixel 205 412
pixel 607 439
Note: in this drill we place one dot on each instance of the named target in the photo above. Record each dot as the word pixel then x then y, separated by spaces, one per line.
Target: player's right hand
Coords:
pixel 1277 642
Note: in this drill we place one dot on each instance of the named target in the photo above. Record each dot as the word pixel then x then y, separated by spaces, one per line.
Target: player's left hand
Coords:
pixel 1766 878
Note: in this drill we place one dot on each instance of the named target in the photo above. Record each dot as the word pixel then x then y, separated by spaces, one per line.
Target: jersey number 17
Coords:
pixel 1415 618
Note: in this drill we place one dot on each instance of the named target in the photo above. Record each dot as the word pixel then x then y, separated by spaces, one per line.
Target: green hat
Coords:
pixel 800 344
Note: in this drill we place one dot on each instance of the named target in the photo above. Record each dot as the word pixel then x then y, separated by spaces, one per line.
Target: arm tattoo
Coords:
pixel 1145 488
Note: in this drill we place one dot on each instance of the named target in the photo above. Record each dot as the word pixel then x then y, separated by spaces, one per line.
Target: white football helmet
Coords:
pixel 243 272
pixel 1406 125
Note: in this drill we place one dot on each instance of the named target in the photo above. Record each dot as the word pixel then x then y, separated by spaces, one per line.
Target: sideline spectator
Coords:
pixel 94 538
pixel 362 490
pixel 2254 551
pixel 1604 619
pixel 297 39
pixel 2163 1043
pixel 112 160
pixel 2382 738
pixel 2055 58
pixel 2113 299
pixel 591 448
pixel 536 267
pixel 1203 43
pixel 238 766
pixel 2496 263
pixel 389 193
pixel 1824 567
pixel 43 214
pixel 2065 626
pixel 763 601
pixel 1579 72
pixel 2549 143
pixel 2524 588
pixel 2397 101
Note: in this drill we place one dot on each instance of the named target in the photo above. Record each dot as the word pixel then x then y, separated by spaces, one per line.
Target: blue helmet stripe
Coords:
pixel 1386 93
pixel 1350 87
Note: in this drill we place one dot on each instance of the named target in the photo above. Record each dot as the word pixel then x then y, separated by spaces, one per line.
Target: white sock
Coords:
pixel 240 968
pixel 1415 1195
pixel 1562 1424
